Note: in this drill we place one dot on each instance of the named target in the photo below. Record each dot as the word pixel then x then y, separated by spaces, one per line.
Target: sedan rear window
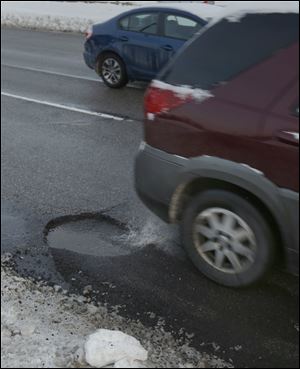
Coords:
pixel 229 48
pixel 124 23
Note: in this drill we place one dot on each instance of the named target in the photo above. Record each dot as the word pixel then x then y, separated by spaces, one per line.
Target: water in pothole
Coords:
pixel 104 237
pixel 89 237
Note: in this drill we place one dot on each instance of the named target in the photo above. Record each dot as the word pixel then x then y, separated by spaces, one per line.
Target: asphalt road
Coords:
pixel 62 160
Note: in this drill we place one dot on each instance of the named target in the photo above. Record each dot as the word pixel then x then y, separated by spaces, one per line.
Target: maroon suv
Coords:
pixel 221 150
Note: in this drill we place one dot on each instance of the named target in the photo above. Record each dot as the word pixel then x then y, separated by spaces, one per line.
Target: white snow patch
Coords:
pixel 150 116
pixel 256 171
pixel 183 92
pixel 295 135
pixel 58 16
pixel 106 347
pixel 129 364
pixel 79 16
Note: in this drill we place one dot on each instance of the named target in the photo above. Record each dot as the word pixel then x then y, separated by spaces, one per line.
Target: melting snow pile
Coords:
pixel 44 327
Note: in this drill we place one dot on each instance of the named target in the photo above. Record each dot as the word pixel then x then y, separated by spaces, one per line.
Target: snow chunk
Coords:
pixel 27 330
pixel 125 363
pixel 106 347
pixel 150 116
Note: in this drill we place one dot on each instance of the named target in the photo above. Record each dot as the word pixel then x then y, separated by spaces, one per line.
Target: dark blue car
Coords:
pixel 136 45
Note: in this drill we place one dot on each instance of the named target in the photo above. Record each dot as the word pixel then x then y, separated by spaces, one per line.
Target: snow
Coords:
pixel 44 328
pixel 78 16
pixel 106 347
pixel 58 16
pixel 183 92
pixel 129 364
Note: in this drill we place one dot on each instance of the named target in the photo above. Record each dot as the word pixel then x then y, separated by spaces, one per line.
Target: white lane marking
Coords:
pixel 61 106
pixel 67 75
pixel 51 72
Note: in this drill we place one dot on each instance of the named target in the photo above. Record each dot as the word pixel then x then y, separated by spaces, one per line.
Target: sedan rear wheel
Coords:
pixel 113 71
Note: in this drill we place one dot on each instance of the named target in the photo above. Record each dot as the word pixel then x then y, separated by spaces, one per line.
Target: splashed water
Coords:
pixel 156 233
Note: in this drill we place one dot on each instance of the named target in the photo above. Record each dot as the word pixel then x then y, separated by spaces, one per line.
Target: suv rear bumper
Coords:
pixel 156 176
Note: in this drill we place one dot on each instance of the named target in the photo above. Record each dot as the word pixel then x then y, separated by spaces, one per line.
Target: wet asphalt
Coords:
pixel 70 215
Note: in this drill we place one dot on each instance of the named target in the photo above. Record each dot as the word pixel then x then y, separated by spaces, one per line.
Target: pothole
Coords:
pixel 88 234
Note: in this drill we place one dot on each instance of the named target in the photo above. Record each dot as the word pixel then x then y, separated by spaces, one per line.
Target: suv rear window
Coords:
pixel 229 48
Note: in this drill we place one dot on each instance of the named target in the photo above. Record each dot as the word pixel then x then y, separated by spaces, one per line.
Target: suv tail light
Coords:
pixel 161 98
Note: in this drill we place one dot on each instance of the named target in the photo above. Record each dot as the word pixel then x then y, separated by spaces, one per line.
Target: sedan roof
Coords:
pixel 204 11
pixel 229 9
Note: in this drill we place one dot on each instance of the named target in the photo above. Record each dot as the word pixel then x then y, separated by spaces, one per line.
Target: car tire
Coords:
pixel 112 70
pixel 246 232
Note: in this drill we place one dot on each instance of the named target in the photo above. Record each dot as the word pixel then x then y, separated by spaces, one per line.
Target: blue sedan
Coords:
pixel 136 45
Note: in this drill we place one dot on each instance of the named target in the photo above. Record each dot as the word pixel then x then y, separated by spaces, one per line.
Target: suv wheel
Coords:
pixel 112 70
pixel 227 238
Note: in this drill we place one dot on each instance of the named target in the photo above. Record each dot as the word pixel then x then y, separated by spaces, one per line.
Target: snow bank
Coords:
pixel 78 16
pixel 106 347
pixel 58 16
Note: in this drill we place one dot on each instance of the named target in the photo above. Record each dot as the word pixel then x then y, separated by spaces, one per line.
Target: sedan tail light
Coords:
pixel 89 33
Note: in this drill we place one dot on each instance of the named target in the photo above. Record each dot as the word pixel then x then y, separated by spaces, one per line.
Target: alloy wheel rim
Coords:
pixel 111 71
pixel 224 240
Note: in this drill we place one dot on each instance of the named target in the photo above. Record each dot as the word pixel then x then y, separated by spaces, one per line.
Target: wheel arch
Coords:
pixel 211 173
pixel 108 51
